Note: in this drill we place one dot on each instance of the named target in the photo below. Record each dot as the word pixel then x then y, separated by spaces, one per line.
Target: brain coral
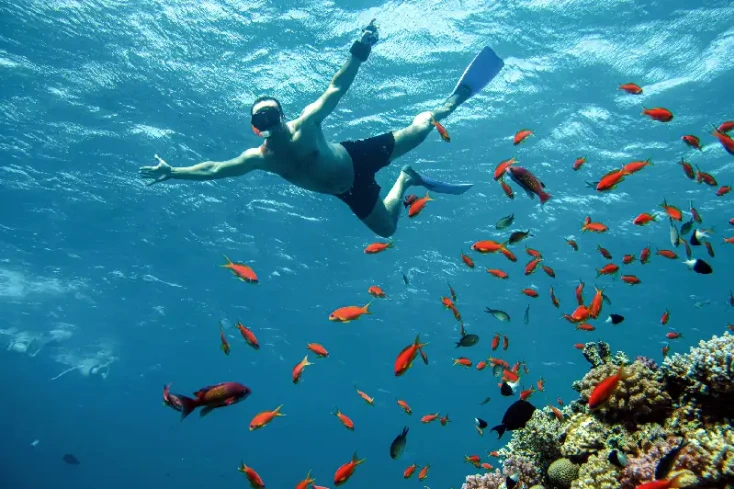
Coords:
pixel 562 472
pixel 642 396
pixel 707 370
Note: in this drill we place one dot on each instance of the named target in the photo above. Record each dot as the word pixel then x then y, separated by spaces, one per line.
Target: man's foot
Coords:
pixel 412 178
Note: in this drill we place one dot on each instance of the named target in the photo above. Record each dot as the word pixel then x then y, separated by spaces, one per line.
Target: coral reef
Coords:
pixel 640 397
pixel 562 473
pixel 689 398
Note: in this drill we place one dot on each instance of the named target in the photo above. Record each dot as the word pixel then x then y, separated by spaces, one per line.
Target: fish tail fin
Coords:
pixel 390 243
pixel 229 262
pixel 187 406
pixel 500 429
pixel 544 197
pixel 305 361
pixel 308 476
pixel 367 308
pixel 356 460
pixel 277 411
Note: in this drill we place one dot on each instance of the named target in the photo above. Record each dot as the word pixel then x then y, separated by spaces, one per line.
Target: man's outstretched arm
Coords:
pixel 341 82
pixel 209 170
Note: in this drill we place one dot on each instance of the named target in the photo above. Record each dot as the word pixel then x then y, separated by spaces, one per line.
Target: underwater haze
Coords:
pixel 110 289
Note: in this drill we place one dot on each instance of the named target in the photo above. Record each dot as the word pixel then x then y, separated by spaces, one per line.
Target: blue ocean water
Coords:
pixel 109 288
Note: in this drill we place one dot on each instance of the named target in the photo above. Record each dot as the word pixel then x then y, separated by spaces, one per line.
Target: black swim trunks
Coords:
pixel 368 157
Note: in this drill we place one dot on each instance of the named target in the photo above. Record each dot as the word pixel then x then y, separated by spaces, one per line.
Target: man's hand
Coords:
pixel 370 36
pixel 159 173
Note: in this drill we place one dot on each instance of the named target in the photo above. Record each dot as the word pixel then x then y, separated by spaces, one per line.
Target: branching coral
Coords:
pixel 585 435
pixel 641 396
pixel 528 472
pixel 597 473
pixel 707 370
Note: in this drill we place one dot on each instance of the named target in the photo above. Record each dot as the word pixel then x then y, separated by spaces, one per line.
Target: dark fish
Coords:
pixel 617 458
pixel 699 266
pixel 214 397
pixel 505 222
pixel 70 459
pixel 467 340
pixel 511 480
pixel 398 444
pixel 499 315
pixel 606 299
pixel 409 199
pixel 528 182
pixel 485 401
pixel 615 318
pixel 686 227
pixel 506 390
pixel 668 461
pixel 515 417
pixel 518 236
pixel 694 238
pixel 481 424
pixel 526 318
pixel 405 279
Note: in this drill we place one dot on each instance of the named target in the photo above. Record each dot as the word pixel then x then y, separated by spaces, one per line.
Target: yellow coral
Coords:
pixel 597 473
pixel 641 395
pixel 563 472
pixel 584 435
pixel 709 453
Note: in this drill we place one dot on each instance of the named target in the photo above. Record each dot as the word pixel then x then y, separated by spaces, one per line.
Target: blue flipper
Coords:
pixel 436 185
pixel 483 68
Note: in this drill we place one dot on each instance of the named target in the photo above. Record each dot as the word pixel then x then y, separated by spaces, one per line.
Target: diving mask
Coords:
pixel 265 120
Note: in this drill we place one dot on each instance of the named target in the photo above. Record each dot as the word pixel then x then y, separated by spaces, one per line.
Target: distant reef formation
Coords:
pixel 687 402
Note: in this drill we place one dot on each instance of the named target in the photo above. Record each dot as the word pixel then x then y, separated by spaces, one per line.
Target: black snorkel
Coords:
pixel 265 120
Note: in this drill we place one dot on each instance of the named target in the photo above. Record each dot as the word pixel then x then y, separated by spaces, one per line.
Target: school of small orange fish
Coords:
pixel 228 393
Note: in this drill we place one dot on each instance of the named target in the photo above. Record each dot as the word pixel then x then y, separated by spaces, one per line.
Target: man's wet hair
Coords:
pixel 266 98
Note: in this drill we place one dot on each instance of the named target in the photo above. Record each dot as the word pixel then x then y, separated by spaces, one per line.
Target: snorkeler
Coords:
pixel 298 152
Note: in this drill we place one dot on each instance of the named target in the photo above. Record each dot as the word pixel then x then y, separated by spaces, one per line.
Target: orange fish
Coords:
pixel 572 244
pixel 532 265
pixel 631 88
pixel 673 212
pixel 596 303
pixel 524 395
pixel 631 279
pixel 726 141
pixel 673 335
pixel 463 361
pixel 725 189
pixel 507 189
pixel 578 163
pixel 298 369
pixel 488 246
pixel 265 417
pixel 345 420
pixel 707 178
pixel 554 300
pixel 409 471
pixel 585 327
pixel 369 400
pixel 579 314
pixel 468 261
pixel 604 252
pixel 604 389
pixel 645 255
pixel 660 114
pixel 248 335
pixel 499 172
pixel 349 313
pixel 377 247
pixel 726 126
pixel 530 293
pixel 376 291
pixel 635 166
pixel 497 273
pixel 472 459
pixel 692 141
pixel 241 271
pixel 579 346
pixel 627 259
pixel 596 227
pixel 608 269
pixel 255 481
pixel 441 130
pixel 424 472
pixel 521 135
pixel 417 206
pixel 664 484
pixel 643 219
pixel 533 253
pixel 317 349
pixel 508 254
pixel 556 412
pixel 406 356
pixel 308 481
pixel 405 406
pixel 505 342
pixel 496 341
pixel 225 344
pixel 687 169
pixel 580 293
pixel 667 254
pixel 610 180
pixel 430 417
pixel 486 465
pixel 344 472
pixel 481 365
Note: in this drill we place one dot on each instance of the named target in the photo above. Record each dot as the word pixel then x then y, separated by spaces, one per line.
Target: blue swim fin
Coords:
pixel 482 70
pixel 436 185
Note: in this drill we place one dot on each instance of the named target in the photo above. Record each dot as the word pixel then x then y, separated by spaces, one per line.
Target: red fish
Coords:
pixel 632 88
pixel 688 169
pixel 533 253
pixel 298 369
pixel 549 271
pixel 496 341
pixel 406 356
pixel 225 344
pixel 417 206
pixel 497 273
pixel 405 406
pixel 572 244
pixel 241 271
pixel 669 254
pixel 726 141
pixel 424 472
pixel 672 335
pixel 530 293
pixel 554 300
pixel 507 189
pixel 376 291
pixel 726 126
pixel 409 471
pixel 344 472
pixel 595 227
pixel 707 178
pixel 529 182
pixel 467 261
pixel 349 313
pixel 488 246
pixel 608 269
pixel 377 248
pixel 253 478
pixel 644 219
pixel 660 114
pixel 604 252
pixel 627 259
pixel 631 279
pixel 673 212
pixel 580 293
pixel 441 130
pixel 521 135
pixel 723 190
pixel 692 141
pixel 645 255
pixel 345 420
pixel 369 400
pixel 262 419
pixel 319 350
pixel 579 163
pixel 635 166
pixel 665 318
pixel 499 172
pixel 248 335
pixel 532 265
pixel 663 484
pixel 308 481
pixel 604 389
pixel 610 180
pixel 213 397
